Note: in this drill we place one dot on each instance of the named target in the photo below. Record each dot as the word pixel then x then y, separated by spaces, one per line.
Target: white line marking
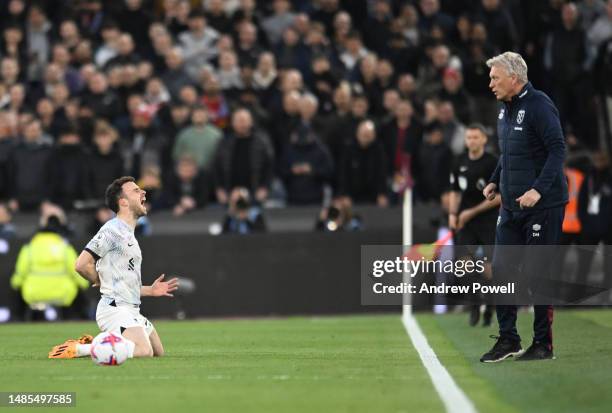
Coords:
pixel 454 399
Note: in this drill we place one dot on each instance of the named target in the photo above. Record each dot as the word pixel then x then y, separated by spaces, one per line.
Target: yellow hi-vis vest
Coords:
pixel 45 271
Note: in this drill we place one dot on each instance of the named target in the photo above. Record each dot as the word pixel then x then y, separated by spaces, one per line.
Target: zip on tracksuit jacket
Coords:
pixel 532 150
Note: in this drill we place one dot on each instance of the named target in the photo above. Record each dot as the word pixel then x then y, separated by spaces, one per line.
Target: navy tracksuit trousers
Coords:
pixel 526 227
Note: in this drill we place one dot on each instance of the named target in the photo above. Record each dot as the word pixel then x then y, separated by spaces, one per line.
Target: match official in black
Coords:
pixel 529 177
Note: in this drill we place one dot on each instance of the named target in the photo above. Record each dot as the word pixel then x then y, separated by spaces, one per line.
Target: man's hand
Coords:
pixel 161 288
pixel 464 217
pixel 529 198
pixel 490 191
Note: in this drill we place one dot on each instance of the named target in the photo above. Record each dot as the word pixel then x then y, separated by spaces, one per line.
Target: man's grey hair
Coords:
pixel 512 63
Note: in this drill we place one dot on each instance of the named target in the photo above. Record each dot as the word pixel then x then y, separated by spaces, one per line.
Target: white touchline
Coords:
pixel 454 399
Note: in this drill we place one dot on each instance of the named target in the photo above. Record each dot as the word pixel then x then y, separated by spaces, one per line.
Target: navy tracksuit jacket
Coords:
pixel 532 154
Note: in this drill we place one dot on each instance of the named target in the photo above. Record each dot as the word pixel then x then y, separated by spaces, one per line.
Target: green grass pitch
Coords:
pixel 323 364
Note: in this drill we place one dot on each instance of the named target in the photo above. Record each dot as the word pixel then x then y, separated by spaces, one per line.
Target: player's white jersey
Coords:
pixel 118 262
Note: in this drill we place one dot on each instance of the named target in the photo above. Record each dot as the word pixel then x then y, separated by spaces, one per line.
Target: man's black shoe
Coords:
pixel 503 349
pixel 537 351
pixel 474 315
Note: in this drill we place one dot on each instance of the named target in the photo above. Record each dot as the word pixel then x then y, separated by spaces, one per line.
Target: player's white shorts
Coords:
pixel 113 318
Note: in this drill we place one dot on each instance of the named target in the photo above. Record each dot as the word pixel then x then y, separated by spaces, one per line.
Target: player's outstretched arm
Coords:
pixel 160 288
pixel 86 266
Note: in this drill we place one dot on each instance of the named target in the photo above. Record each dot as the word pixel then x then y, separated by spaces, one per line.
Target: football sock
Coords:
pixel 83 350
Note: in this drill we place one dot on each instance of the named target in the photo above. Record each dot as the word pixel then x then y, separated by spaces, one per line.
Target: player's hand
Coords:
pixel 529 198
pixel 490 191
pixel 96 283
pixel 161 288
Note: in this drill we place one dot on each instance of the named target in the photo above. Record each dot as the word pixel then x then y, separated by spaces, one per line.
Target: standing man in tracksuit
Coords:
pixel 529 177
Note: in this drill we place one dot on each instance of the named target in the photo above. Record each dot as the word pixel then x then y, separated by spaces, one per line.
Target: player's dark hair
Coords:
pixel 115 191
pixel 478 126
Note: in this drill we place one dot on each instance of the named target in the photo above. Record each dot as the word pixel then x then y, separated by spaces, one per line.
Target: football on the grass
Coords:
pixel 109 349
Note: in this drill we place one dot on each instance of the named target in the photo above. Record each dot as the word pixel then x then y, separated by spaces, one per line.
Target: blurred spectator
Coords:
pixel 500 25
pixel 589 11
pixel 353 52
pixel 109 48
pixel 14 12
pixel 44 272
pixel 245 159
pixel 12 44
pixel 126 53
pixel 368 79
pixel 306 165
pixel 198 43
pixel 105 163
pixel 39 46
pixel 378 26
pixel 454 92
pixel 279 21
pixel 229 71
pixel 69 170
pixel 337 135
pixel 401 137
pixel 100 99
pixel 176 16
pixel 216 16
pixel 362 172
pixel 432 18
pixel 325 14
pixel 199 141
pixel 175 76
pixel 565 61
pixel 265 75
pixel 323 82
pixel 285 121
pixel 452 129
pixel 142 142
pixel 338 217
pixel 242 216
pixel 248 49
pixel 29 166
pixel 9 71
pixel 292 52
pixel 215 102
pixel 601 30
pixel 435 160
pixel 135 20
pixel 188 188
